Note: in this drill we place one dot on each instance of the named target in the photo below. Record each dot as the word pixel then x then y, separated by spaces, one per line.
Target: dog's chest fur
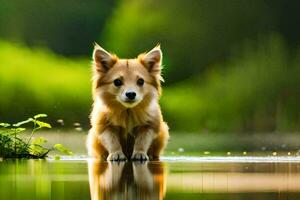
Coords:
pixel 130 119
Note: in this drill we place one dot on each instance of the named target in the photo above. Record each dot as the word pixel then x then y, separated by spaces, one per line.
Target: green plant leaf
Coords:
pixel 39 141
pixel 6 131
pixel 37 150
pixel 39 116
pixel 17 146
pixel 42 124
pixel 5 125
pixel 11 131
pixel 62 149
pixel 18 130
pixel 23 122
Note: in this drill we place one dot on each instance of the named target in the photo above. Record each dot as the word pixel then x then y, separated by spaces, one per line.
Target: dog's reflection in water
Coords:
pixel 126 180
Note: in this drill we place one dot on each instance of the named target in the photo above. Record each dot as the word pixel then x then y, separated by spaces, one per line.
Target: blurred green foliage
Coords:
pixel 229 65
pixel 194 34
pixel 36 80
pixel 257 89
pixel 68 27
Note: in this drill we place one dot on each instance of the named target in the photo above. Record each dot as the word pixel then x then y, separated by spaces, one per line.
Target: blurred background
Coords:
pixel 230 67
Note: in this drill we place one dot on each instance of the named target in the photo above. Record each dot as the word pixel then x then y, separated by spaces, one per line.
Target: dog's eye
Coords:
pixel 117 82
pixel 140 82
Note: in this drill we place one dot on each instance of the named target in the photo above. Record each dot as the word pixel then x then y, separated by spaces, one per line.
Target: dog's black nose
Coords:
pixel 130 95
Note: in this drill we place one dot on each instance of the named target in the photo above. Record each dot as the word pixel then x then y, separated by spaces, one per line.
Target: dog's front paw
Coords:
pixel 137 155
pixel 116 156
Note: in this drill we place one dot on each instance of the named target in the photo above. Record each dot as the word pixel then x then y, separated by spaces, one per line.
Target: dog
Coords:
pixel 126 119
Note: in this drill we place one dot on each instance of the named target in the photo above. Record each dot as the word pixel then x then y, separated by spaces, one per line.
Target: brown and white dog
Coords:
pixel 126 118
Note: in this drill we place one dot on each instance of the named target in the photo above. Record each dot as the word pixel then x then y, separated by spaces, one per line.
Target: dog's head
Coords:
pixel 126 82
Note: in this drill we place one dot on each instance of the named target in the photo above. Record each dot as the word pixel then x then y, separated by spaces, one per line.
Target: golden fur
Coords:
pixel 121 129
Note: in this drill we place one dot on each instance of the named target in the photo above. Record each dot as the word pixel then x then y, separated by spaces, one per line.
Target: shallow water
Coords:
pixel 172 178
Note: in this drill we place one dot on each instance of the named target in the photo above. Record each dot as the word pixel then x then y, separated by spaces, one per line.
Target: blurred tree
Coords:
pixel 196 34
pixel 68 27
pixel 193 33
pixel 256 90
pixel 287 16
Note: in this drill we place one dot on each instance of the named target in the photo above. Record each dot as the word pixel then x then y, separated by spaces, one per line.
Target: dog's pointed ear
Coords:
pixel 152 60
pixel 103 60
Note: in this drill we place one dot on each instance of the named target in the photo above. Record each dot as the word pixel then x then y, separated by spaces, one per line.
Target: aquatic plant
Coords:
pixel 13 144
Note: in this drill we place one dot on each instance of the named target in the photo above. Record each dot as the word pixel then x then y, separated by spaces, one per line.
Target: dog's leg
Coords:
pixel 142 143
pixel 110 140
pixel 94 146
pixel 159 143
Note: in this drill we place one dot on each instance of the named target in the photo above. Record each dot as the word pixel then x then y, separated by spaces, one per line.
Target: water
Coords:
pixel 197 166
pixel 271 177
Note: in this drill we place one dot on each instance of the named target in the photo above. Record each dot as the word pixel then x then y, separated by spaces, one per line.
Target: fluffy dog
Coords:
pixel 126 118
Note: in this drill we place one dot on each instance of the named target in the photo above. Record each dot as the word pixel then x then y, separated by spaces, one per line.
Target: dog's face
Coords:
pixel 127 82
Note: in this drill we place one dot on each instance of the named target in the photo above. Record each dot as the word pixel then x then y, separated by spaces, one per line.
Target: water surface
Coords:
pixel 172 178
